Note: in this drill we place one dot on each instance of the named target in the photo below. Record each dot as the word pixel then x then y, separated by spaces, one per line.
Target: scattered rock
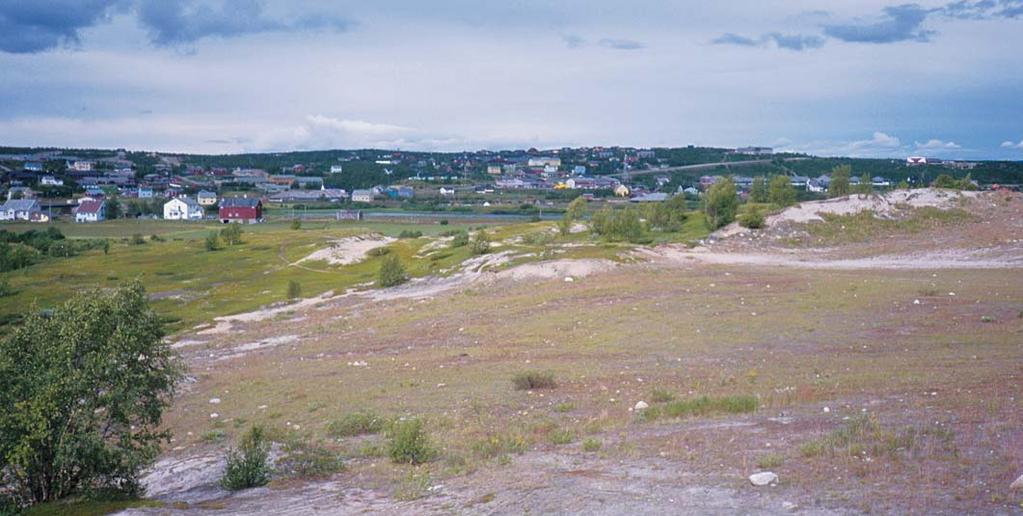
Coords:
pixel 569 279
pixel 916 301
pixel 763 478
pixel 789 506
pixel 640 405
pixel 1018 484
pixel 214 415
pixel 827 409
pixel 215 401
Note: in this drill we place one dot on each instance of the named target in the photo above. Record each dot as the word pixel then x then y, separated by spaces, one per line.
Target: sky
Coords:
pixel 859 78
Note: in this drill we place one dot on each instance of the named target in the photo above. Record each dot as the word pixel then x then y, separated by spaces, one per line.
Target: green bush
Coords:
pixel 378 251
pixel 408 442
pixel 392 273
pixel 305 460
pixel 461 239
pixel 562 436
pixel 480 244
pixel 622 225
pixel 358 423
pixel 212 242
pixel 752 218
pixel 294 289
pixel 591 445
pixel 721 203
pixel 531 380
pixel 249 465
pixel 5 288
pixel 232 234
pixel 407 233
pixel 137 239
pixel 443 222
pixel 296 224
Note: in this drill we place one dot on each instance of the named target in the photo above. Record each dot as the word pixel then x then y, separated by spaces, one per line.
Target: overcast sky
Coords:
pixel 840 77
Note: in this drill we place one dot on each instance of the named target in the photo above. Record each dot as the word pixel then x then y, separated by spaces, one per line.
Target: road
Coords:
pixel 703 166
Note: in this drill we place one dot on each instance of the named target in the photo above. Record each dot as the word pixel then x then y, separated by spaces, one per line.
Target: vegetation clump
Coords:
pixel 752 218
pixel 480 244
pixel 721 203
pixel 623 225
pixel 532 380
pixel 703 406
pixel 408 442
pixel 408 233
pixel 392 272
pixel 356 423
pixel 232 234
pixel 294 289
pixel 249 465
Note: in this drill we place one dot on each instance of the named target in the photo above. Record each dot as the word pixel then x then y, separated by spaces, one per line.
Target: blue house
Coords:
pixel 33 166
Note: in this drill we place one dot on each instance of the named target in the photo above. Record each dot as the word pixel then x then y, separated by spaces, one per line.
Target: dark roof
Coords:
pixel 239 202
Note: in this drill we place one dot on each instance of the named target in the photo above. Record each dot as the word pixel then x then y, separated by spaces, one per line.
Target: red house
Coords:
pixel 241 209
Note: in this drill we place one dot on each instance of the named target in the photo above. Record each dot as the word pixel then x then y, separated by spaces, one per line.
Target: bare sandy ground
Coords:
pixel 347 250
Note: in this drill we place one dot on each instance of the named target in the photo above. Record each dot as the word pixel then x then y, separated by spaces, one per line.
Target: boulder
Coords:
pixel 1018 484
pixel 640 405
pixel 763 478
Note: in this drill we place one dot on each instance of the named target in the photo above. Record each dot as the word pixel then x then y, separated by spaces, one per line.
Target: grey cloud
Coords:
pixel 175 22
pixel 787 41
pixel 620 44
pixel 735 39
pixel 899 23
pixel 28 26
pixel 984 9
pixel 572 40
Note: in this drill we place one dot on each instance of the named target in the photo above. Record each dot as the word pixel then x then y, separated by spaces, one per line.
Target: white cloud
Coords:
pixel 880 145
pixel 1010 145
pixel 880 140
pixel 936 144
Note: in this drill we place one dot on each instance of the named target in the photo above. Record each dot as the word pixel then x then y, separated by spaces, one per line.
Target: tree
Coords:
pixel 572 213
pixel 839 185
pixel 866 185
pixel 758 190
pixel 113 208
pixel 212 242
pixel 232 234
pixel 296 224
pixel 753 219
pixel 781 192
pixel 480 244
pixel 391 273
pixel 294 289
pixel 82 392
pixel 720 203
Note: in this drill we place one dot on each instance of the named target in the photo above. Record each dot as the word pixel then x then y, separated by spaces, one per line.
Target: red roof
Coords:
pixel 89 207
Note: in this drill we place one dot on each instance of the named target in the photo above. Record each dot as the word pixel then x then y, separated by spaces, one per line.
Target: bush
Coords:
pixel 531 380
pixel 408 442
pixel 296 224
pixel 443 222
pixel 461 239
pixel 752 219
pixel 304 460
pixel 562 436
pixel 294 289
pixel 781 192
pixel 378 251
pixel 249 465
pixel 156 238
pixel 480 244
pixel 82 393
pixel 618 225
pixel 137 239
pixel 212 242
pixel 359 423
pixel 232 234
pixel 591 445
pixel 5 288
pixel 721 203
pixel 406 233
pixel 392 273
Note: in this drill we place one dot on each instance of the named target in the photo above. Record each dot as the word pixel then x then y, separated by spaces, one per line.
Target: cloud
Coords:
pixel 29 26
pixel 898 23
pixel 787 41
pixel 983 9
pixel 175 22
pixel 1010 145
pixel 879 140
pixel 572 40
pixel 620 44
pixel 936 144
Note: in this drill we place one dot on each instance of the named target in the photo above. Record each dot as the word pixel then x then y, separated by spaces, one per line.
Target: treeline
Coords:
pixel 20 250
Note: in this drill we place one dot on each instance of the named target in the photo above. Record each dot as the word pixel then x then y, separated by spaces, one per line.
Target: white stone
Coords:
pixel 569 279
pixel 789 506
pixel 214 415
pixel 827 409
pixel 640 405
pixel 214 400
pixel 1018 484
pixel 916 301
pixel 763 478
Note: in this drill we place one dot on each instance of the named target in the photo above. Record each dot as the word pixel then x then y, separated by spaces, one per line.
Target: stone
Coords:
pixel 640 405
pixel 569 279
pixel 214 401
pixel 763 478
pixel 789 506
pixel 1018 484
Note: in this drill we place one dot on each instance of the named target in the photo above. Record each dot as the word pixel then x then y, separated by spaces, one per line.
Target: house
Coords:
pixel 494 170
pixel 622 191
pixel 325 194
pixel 880 182
pixel 336 169
pixel 579 170
pixel 51 181
pixel 544 162
pixel 446 192
pixel 400 192
pixel 756 151
pixel 20 192
pixel 90 211
pixel 182 208
pixel 22 209
pixel 33 166
pixel 81 166
pixel 206 198
pixel 241 209
pixel 591 183
pixel 363 195
pixel 145 193
pixel 650 197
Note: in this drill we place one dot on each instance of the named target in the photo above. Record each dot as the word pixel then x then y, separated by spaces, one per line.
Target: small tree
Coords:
pixel 480 244
pixel 248 465
pixel 408 442
pixel 82 392
pixel 112 208
pixel 296 224
pixel 392 273
pixel 232 234
pixel 572 213
pixel 781 191
pixel 866 185
pixel 752 219
pixel 294 289
pixel 720 203
pixel 212 242
pixel 758 190
pixel 839 185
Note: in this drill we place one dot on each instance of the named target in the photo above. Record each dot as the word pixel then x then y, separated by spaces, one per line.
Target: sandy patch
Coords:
pixel 557 269
pixel 347 251
pixel 883 205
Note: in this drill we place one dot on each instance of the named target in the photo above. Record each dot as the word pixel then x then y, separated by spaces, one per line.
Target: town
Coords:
pixel 94 185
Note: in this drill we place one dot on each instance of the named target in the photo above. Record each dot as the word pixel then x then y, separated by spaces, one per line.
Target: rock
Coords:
pixel 569 279
pixel 916 301
pixel 827 409
pixel 763 478
pixel 640 405
pixel 789 506
pixel 1018 484
pixel 214 400
pixel 214 415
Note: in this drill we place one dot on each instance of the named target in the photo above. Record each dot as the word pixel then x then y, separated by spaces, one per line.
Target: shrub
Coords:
pixel 562 436
pixel 156 238
pixel 137 239
pixel 460 239
pixel 294 289
pixel 212 242
pixel 480 244
pixel 408 442
pixel 82 392
pixel 781 192
pixel 357 423
pixel 619 225
pixel 378 251
pixel 721 203
pixel 232 234
pixel 406 233
pixel 591 445
pixel 752 219
pixel 391 273
pixel 770 461
pixel 5 288
pixel 249 465
pixel 661 396
pixel 296 224
pixel 304 460
pixel 564 406
pixel 531 380
pixel 499 444
pixel 839 185
pixel 443 222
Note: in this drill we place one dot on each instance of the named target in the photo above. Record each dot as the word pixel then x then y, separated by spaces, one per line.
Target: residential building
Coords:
pixel 90 211
pixel 22 209
pixel 363 196
pixel 33 166
pixel 206 198
pixel 51 181
pixel 650 197
pixel 81 166
pixel 446 192
pixel 494 170
pixel 241 209
pixel 182 208
pixel 756 151
pixel 544 162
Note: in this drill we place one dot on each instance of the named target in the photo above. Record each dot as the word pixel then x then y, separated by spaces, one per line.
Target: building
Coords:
pixel 446 192
pixel 336 169
pixel 51 181
pixel 22 209
pixel 494 170
pixel 206 198
pixel 915 161
pixel 579 170
pixel 544 162
pixel 325 194
pixel 182 208
pixel 81 166
pixel 349 215
pixel 650 197
pixel 756 151
pixel 90 211
pixel 145 192
pixel 33 166
pixel 363 196
pixel 241 209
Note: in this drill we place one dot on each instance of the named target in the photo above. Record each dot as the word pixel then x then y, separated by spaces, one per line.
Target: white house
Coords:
pixel 447 192
pixel 182 208
pixel 206 198
pixel 81 166
pixel 336 169
pixel 363 196
pixel 51 181
pixel 90 211
pixel 20 209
